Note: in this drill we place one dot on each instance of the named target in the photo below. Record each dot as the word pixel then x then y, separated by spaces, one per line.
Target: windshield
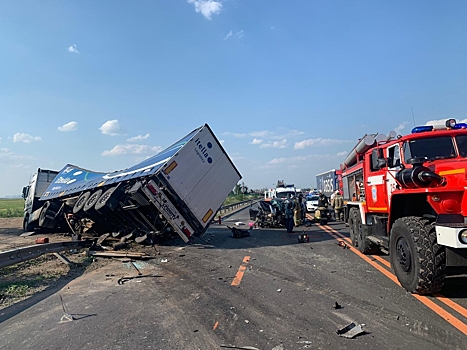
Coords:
pixel 284 194
pixel 312 198
pixel 429 148
pixel 462 145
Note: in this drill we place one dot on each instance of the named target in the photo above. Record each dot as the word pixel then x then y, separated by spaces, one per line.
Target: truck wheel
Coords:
pixel 81 202
pixel 353 213
pixel 47 215
pixel 105 200
pixel 418 261
pixel 364 245
pixel 92 200
pixel 27 226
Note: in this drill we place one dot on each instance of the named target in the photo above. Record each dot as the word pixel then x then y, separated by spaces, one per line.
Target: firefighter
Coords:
pixel 288 211
pixel 322 205
pixel 338 204
pixel 297 212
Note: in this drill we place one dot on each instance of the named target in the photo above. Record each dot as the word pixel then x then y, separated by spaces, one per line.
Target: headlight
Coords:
pixel 463 236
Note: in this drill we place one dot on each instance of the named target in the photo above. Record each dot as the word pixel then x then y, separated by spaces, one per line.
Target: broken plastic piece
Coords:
pixel 350 331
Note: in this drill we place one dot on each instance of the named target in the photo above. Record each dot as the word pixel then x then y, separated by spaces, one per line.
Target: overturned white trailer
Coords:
pixel 180 189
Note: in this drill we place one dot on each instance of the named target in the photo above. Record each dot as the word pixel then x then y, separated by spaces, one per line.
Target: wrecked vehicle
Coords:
pixel 178 190
pixel 269 213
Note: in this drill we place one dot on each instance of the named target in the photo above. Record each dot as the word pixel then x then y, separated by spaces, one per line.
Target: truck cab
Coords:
pixel 31 194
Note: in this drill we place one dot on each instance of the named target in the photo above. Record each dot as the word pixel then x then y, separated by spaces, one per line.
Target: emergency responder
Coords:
pixel 338 204
pixel 297 212
pixel 288 211
pixel 322 205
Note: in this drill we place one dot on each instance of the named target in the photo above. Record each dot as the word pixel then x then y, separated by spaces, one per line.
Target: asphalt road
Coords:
pixel 266 291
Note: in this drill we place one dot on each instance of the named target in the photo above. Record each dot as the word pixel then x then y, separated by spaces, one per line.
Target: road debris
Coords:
pixel 132 255
pixel 303 238
pixel 238 347
pixel 343 244
pixel 350 331
pixel 238 232
pixel 122 280
pixel 279 290
pixel 67 316
pixel 337 306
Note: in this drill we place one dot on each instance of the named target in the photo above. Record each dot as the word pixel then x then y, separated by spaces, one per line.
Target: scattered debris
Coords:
pixel 337 306
pixel 63 259
pixel 246 321
pixel 279 290
pixel 164 260
pixel 66 314
pixel 239 223
pixel 122 280
pixel 303 238
pixel 238 347
pixel 238 232
pixel 350 331
pixel 343 244
pixel 132 255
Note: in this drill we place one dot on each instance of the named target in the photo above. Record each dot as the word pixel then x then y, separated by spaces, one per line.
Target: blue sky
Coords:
pixel 288 86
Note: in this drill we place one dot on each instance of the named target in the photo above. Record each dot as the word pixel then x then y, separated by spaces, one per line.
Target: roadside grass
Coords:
pixel 11 208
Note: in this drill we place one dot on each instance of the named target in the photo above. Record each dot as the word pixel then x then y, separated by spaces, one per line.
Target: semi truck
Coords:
pixel 406 196
pixel 328 182
pixel 178 190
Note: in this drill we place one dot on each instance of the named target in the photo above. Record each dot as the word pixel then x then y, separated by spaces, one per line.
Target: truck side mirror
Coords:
pixel 381 163
pixel 25 192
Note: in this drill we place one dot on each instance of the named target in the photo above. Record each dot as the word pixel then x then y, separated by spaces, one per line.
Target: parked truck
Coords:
pixel 178 190
pixel 328 182
pixel 406 196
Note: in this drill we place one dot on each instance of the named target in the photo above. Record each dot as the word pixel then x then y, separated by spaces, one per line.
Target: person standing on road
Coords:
pixel 297 212
pixel 288 210
pixel 338 204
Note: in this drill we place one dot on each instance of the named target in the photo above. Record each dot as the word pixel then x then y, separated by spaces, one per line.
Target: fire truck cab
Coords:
pixel 406 196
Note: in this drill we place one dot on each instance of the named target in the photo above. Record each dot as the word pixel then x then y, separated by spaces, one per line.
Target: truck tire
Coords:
pixel 353 214
pixel 47 215
pixel 416 258
pixel 92 200
pixel 27 226
pixel 106 200
pixel 82 199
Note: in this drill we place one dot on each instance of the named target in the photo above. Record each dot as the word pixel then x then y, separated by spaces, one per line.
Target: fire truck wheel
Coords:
pixel 353 214
pixel 81 202
pixel 92 200
pixel 418 261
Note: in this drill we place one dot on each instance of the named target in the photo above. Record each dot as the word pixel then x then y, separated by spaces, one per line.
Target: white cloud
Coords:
pixel 26 138
pixel 73 49
pixel 256 142
pixel 262 133
pixel 275 144
pixel 318 142
pixel 237 35
pixel 222 142
pixel 341 154
pixel 71 126
pixel 6 153
pixel 138 138
pixel 400 127
pixel 229 34
pixel 206 7
pixel 110 127
pixel 132 149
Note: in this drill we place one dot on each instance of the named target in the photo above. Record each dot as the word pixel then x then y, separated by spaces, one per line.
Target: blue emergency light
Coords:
pixel 450 124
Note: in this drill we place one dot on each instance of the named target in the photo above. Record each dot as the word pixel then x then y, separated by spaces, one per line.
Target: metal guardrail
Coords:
pixel 225 209
pixel 18 255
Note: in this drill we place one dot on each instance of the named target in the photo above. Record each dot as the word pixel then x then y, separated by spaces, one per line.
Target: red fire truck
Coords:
pixel 407 197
